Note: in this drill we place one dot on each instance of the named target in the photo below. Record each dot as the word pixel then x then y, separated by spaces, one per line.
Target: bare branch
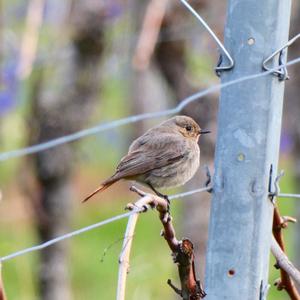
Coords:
pixel 182 251
pixel 139 206
pixel 285 282
pixel 124 256
pixel 283 262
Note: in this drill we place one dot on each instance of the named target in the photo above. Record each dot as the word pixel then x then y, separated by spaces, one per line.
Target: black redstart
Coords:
pixel 165 156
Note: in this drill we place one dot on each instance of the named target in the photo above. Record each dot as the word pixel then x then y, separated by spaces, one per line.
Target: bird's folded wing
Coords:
pixel 148 158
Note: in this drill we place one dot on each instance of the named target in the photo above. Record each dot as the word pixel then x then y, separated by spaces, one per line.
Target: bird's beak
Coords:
pixel 204 131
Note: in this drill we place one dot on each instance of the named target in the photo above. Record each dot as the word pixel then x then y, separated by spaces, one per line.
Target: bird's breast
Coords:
pixel 179 172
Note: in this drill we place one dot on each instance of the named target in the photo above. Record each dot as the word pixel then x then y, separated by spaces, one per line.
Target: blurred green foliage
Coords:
pixel 93 262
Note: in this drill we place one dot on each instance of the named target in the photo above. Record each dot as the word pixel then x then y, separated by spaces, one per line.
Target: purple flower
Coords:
pixel 8 88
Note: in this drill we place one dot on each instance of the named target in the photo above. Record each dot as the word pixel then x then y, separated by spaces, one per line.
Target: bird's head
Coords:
pixel 187 127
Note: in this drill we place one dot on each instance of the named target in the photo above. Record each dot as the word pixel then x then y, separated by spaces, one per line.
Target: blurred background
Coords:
pixel 69 65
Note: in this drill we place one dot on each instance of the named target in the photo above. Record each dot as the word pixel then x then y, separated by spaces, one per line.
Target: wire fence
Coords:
pixel 136 118
pixel 93 226
pixel 110 220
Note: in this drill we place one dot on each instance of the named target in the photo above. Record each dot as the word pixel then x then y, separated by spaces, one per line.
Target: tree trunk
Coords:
pixel 63 103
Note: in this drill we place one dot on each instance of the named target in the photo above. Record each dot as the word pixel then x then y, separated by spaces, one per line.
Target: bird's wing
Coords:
pixel 148 156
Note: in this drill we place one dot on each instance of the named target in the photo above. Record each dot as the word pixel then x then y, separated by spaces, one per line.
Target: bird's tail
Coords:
pixel 106 184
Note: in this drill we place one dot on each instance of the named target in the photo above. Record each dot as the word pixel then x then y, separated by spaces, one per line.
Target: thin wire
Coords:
pixel 283 195
pixel 181 195
pixel 135 118
pixel 90 227
pixel 286 45
pixel 192 10
pixel 66 236
pixel 113 244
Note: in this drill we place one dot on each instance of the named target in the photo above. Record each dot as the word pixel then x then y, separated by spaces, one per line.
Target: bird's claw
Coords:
pixel 168 201
pixel 166 198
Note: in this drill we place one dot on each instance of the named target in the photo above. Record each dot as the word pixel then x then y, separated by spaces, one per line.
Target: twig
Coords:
pixel 139 206
pixel 182 251
pixel 2 292
pixel 283 261
pixel 110 246
pixel 285 282
pixel 124 256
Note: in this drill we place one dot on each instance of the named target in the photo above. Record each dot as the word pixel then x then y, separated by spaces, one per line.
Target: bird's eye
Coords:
pixel 188 128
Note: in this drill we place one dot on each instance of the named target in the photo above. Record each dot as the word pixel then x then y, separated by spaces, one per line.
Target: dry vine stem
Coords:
pixel 283 262
pixel 2 293
pixel 285 282
pixel 182 251
pixel 124 256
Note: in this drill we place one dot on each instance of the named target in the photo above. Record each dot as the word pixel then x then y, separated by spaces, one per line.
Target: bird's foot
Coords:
pixel 158 193
pixel 166 198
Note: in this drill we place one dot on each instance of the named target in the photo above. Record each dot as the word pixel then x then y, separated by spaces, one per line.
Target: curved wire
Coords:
pixel 268 59
pixel 133 119
pixel 213 35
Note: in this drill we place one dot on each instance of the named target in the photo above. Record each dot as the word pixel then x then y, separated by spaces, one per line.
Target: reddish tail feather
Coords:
pixel 102 187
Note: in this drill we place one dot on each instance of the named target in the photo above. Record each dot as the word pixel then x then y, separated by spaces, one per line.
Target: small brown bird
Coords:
pixel 165 156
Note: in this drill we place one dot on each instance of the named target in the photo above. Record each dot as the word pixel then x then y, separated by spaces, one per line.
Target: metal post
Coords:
pixel 247 146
